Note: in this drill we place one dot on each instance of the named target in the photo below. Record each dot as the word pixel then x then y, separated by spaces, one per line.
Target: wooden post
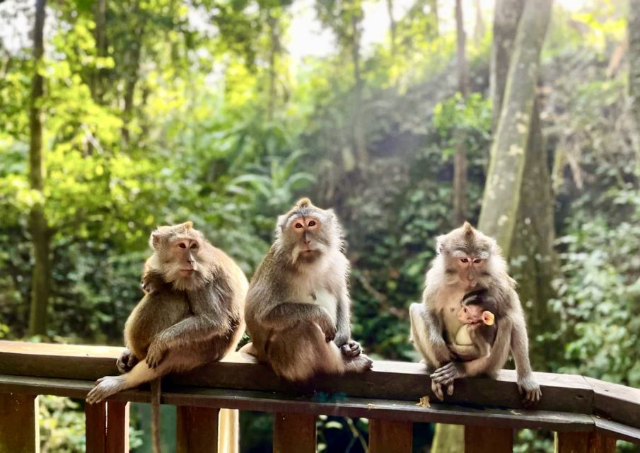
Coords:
pixel 390 436
pixel 197 429
pixel 96 427
pixel 19 423
pixel 117 427
pixel 294 433
pixel 478 439
pixel 586 442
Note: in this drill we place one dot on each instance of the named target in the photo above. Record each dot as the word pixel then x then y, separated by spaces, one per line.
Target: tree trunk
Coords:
pixel 100 36
pixel 392 27
pixel 460 159
pixel 501 200
pixel 37 219
pixel 633 33
pixel 360 144
pixel 478 31
pixel 132 67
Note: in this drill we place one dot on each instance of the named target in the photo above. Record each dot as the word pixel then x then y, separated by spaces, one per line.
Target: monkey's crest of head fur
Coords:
pixel 326 238
pixel 469 241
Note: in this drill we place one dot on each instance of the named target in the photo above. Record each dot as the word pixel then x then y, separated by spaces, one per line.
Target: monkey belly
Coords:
pixel 463 338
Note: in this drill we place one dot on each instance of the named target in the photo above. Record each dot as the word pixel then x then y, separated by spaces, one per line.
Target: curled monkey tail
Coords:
pixel 155 414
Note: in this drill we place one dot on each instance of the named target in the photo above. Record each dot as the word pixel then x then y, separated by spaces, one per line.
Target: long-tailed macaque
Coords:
pixel 192 313
pixel 297 307
pixel 466 260
pixel 478 313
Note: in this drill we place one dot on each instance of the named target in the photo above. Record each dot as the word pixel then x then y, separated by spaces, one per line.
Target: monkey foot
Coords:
pixel 359 364
pixel 105 387
pixel 530 389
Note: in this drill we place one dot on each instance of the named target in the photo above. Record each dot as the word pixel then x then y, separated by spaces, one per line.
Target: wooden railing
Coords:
pixel 587 415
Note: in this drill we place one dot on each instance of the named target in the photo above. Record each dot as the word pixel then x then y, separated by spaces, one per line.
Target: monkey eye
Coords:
pixel 194 245
pixel 298 225
pixel 465 309
pixel 464 260
pixel 182 245
pixel 312 223
pixel 477 261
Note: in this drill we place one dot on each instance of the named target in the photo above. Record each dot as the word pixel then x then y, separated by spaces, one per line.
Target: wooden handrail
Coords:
pixel 389 393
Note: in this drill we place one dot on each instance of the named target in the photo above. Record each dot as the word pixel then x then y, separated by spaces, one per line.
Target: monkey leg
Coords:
pixel 110 385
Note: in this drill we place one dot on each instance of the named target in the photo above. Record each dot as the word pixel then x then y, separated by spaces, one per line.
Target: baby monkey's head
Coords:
pixel 478 308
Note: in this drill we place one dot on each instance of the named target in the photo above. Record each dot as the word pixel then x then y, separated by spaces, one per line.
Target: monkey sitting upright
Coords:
pixel 466 260
pixel 192 313
pixel 298 304
pixel 478 313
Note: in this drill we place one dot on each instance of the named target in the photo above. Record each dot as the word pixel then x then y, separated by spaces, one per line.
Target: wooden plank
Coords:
pixel 197 429
pixel 594 442
pixel 96 427
pixel 19 431
pixel 617 430
pixel 117 427
pixel 616 402
pixel 387 380
pixel 479 439
pixel 389 436
pixel 294 433
pixel 336 405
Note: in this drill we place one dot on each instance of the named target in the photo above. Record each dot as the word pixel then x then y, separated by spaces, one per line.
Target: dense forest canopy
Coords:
pixel 403 115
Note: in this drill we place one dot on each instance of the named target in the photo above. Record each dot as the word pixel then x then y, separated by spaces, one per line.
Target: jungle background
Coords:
pixel 406 116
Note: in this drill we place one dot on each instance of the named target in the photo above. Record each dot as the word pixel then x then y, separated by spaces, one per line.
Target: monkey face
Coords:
pixel 307 232
pixel 470 314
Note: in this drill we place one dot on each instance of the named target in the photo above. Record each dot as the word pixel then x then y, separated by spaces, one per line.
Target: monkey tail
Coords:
pixel 155 414
pixel 228 431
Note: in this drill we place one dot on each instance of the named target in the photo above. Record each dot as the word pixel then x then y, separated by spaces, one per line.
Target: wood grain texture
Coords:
pixel 96 427
pixel 117 427
pixel 617 430
pixel 616 402
pixel 19 423
pixel 594 442
pixel 390 436
pixel 197 430
pixel 478 439
pixel 294 433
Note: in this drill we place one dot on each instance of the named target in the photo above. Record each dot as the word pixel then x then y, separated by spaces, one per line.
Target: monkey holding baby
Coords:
pixel 466 261
pixel 192 313
pixel 298 305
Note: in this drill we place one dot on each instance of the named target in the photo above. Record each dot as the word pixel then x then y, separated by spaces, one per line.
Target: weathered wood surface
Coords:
pixel 478 439
pixel 18 423
pixel 389 380
pixel 197 429
pixel 616 402
pixel 617 430
pixel 390 436
pixel 339 405
pixel 594 442
pixel 294 433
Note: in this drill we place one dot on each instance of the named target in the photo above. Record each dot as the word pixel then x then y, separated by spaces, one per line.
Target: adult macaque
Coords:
pixel 478 313
pixel 192 313
pixel 297 307
pixel 466 260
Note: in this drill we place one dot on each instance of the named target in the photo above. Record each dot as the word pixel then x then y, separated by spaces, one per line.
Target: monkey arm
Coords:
pixel 288 314
pixel 427 327
pixel 480 341
pixel 520 351
pixel 343 321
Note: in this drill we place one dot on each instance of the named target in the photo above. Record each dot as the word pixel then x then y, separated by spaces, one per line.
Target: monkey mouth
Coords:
pixel 187 272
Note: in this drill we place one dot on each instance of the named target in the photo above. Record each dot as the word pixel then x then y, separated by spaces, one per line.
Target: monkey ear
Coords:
pixel 155 239
pixel 282 221
pixel 439 244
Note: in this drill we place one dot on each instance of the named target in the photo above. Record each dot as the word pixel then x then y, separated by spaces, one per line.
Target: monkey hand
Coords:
pixel 155 355
pixel 126 361
pixel 530 389
pixel 351 349
pixel 436 388
pixel 448 373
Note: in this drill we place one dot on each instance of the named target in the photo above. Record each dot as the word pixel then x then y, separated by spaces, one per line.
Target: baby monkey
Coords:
pixel 478 313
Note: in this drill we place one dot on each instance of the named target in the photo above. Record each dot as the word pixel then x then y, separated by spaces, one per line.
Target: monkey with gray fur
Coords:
pixel 192 312
pixel 298 305
pixel 466 260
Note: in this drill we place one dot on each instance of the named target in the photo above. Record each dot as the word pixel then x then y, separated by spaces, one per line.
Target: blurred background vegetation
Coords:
pixel 119 116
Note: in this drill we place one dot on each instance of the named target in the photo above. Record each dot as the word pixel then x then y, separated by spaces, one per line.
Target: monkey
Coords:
pixel 467 259
pixel 192 312
pixel 478 313
pixel 298 306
